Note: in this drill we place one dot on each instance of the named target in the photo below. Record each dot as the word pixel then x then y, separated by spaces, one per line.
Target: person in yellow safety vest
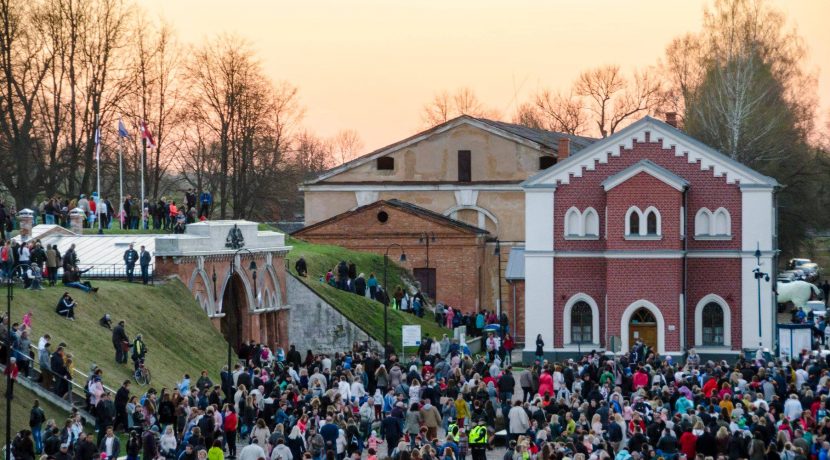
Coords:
pixel 452 430
pixel 478 441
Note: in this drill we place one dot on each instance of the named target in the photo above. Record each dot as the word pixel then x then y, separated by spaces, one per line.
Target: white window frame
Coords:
pixel 566 320
pixel 642 234
pixel 711 225
pixel 727 322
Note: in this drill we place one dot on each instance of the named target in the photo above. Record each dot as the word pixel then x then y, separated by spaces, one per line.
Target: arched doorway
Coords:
pixel 643 325
pixel 234 306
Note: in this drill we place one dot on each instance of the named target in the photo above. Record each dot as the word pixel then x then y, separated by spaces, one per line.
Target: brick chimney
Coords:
pixel 671 119
pixel 564 148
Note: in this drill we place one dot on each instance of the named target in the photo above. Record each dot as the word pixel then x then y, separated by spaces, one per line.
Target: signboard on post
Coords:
pixel 411 335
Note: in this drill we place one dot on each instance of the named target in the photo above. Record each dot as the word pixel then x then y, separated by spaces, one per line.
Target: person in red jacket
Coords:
pixel 640 379
pixel 688 442
pixel 229 425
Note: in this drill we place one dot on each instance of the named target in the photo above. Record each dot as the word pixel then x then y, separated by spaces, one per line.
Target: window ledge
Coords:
pixel 644 237
pixel 582 346
pixel 713 237
pixel 581 237
pixel 715 349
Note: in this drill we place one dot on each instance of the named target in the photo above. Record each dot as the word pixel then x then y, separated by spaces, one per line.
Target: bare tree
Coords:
pixel 23 68
pixel 614 100
pixel 445 106
pixel 346 145
pixel 562 112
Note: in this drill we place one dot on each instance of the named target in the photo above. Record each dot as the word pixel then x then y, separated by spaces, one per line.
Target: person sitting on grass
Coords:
pixel 72 278
pixel 35 277
pixel 66 307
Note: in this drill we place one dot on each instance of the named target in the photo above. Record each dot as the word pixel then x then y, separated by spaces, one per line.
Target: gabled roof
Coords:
pixel 649 167
pixel 535 138
pixel 403 206
pixel 684 145
pixel 547 138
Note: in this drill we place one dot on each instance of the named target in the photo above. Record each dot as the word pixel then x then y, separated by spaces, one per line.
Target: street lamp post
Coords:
pixel 497 253
pixel 9 353
pixel 386 292
pixel 252 266
pixel 758 276
pixel 425 238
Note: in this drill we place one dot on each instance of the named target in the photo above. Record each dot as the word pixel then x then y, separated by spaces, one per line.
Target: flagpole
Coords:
pixel 120 183
pixel 141 205
pixel 98 168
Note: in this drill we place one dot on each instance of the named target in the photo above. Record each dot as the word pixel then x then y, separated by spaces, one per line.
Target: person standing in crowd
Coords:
pixel 144 260
pixel 120 342
pixel 130 258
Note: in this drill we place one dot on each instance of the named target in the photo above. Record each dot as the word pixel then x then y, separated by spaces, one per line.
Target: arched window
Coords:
pixel 703 222
pixel 633 223
pixel 591 222
pixel 712 324
pixel 651 224
pixel 581 323
pixel 572 223
pixel 722 224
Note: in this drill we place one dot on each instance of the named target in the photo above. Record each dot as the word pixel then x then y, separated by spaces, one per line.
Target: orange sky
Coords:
pixel 370 65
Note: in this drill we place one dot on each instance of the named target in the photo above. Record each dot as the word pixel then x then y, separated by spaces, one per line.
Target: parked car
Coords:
pixel 811 271
pixel 797 263
pixel 817 307
pixel 790 276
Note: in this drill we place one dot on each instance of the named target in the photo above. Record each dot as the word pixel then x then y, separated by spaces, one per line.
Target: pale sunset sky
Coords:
pixel 371 65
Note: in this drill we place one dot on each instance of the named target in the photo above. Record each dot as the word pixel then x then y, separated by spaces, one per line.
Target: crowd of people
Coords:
pixel 444 403
pixel 157 214
pixel 441 403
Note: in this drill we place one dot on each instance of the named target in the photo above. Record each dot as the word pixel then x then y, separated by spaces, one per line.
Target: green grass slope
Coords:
pixel 21 405
pixel 366 313
pixel 179 336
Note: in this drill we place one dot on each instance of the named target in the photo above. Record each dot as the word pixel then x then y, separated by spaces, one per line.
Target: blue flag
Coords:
pixel 122 130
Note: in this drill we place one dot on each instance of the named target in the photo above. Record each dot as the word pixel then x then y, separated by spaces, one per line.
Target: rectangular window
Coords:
pixel 546 162
pixel 464 166
pixel 386 164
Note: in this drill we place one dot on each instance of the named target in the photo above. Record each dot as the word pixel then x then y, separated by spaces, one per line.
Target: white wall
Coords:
pixel 757 223
pixel 539 227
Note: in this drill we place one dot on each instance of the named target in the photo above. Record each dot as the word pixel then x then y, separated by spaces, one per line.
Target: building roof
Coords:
pixel 103 254
pixel 658 131
pixel 547 138
pixel 649 167
pixel 403 206
pixel 535 138
pixel 515 264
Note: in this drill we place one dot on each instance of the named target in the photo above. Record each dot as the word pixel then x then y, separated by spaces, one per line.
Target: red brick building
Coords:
pixel 648 234
pixel 448 268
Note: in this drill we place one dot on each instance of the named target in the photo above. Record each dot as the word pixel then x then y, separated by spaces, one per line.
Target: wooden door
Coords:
pixel 643 325
pixel 426 278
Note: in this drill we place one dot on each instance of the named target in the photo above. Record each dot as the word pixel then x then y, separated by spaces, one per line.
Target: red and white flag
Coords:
pixel 146 135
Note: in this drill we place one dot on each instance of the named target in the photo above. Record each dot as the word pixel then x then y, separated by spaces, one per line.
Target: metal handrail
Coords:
pixel 36 366
pixel 110 271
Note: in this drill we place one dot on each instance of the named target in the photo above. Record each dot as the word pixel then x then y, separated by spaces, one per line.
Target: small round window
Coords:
pixel 383 217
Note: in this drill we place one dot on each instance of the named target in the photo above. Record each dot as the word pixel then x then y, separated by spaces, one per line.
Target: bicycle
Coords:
pixel 142 375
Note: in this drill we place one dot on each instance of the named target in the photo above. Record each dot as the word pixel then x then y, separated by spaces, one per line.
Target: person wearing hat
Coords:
pixel 478 440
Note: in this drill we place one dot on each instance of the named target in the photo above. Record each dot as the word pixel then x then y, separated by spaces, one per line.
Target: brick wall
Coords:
pixel 572 276
pixel 657 280
pixel 705 190
pixel 643 191
pixel 456 255
pixel 715 276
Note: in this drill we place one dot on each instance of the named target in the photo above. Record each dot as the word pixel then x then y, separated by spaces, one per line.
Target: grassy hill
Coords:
pixel 179 336
pixel 366 313
pixel 21 405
